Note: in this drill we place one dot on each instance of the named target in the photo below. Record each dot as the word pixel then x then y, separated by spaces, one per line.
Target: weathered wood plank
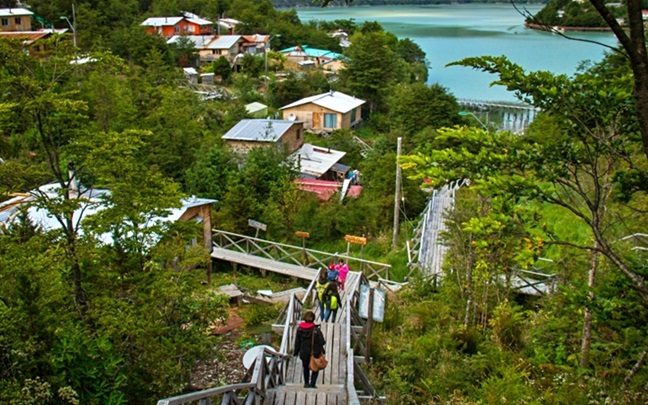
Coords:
pixel 287 269
pixel 300 397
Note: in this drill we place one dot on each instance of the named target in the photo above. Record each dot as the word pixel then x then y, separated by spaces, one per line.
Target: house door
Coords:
pixel 317 120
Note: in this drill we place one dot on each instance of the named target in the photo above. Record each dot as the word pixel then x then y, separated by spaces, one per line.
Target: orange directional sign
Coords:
pixel 355 239
pixel 302 234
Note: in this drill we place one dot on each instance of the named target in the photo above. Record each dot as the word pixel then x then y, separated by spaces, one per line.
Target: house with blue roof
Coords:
pixel 305 56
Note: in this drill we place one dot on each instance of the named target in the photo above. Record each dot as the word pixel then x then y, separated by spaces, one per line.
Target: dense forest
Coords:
pixel 88 322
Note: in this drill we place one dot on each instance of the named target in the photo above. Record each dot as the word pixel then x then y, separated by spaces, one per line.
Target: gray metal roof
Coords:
pixel 161 21
pixel 259 130
pixel 223 42
pixel 14 12
pixel 333 100
pixel 198 41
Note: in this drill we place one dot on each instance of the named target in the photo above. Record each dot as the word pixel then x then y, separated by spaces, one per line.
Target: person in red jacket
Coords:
pixel 305 342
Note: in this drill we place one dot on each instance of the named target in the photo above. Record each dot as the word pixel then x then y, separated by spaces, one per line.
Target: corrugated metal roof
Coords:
pixel 325 189
pixel 223 42
pixel 305 50
pixel 315 160
pixel 198 41
pixel 14 12
pixel 333 100
pixel 199 21
pixel 27 36
pixel 161 21
pixel 255 107
pixel 259 130
pixel 256 38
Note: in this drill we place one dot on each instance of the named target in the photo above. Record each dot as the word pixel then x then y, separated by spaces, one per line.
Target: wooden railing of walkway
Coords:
pixel 267 371
pixel 295 255
pixel 276 377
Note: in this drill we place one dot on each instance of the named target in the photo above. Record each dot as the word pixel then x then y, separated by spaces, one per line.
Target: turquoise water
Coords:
pixel 451 32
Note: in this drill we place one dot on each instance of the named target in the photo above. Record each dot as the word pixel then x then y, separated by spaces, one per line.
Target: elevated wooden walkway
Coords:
pixel 331 388
pixel 276 377
pixel 265 264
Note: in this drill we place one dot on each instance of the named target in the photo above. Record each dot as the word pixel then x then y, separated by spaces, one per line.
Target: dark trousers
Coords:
pixel 310 377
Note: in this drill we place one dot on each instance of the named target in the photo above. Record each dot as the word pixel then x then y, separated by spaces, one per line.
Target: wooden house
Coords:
pixel 15 19
pixel 316 57
pixel 221 45
pixel 252 133
pixel 326 111
pixel 34 42
pixel 170 26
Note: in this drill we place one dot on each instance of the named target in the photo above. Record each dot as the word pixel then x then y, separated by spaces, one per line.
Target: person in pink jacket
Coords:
pixel 343 271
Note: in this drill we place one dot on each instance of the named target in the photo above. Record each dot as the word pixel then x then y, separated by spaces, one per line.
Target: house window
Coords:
pixel 5 21
pixel 191 28
pixel 177 28
pixel 330 120
pixel 298 133
pixel 17 20
pixel 353 115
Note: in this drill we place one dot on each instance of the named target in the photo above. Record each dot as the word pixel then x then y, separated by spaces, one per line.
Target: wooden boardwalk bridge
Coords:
pixel 426 251
pixel 276 377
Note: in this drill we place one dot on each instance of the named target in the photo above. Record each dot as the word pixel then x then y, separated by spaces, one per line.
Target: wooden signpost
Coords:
pixel 258 225
pixel 303 235
pixel 359 240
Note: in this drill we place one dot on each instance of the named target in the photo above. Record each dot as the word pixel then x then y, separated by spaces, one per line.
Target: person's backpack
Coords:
pixel 333 303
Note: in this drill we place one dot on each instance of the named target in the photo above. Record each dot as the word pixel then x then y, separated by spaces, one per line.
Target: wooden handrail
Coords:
pixel 207 394
pixel 293 254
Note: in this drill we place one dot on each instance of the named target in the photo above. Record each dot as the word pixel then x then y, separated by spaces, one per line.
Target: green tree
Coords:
pixel 209 175
pixel 222 68
pixel 415 106
pixel 49 106
pixel 372 66
pixel 576 170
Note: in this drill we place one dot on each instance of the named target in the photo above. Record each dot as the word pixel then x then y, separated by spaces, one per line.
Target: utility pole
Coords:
pixel 72 26
pixel 397 193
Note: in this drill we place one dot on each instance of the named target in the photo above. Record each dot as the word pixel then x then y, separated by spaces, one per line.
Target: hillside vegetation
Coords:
pixel 88 322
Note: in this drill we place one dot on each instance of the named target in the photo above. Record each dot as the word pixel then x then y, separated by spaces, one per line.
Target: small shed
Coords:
pixel 257 110
pixel 191 74
pixel 315 162
pixel 207 78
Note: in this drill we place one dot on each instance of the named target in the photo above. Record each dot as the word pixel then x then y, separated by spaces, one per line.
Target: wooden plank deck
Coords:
pixel 331 382
pixel 262 263
pixel 331 388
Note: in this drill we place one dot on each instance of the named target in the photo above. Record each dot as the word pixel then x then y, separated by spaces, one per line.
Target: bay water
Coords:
pixel 451 32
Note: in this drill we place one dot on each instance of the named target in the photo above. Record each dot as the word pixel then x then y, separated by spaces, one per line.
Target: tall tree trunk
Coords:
pixel 469 288
pixel 587 317
pixel 634 43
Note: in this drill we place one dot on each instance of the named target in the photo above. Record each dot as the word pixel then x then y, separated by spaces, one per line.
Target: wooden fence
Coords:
pixel 296 255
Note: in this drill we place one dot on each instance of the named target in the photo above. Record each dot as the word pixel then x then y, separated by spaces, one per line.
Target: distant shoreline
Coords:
pixel 566 29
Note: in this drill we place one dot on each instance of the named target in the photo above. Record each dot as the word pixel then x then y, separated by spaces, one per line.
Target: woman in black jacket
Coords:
pixel 303 345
